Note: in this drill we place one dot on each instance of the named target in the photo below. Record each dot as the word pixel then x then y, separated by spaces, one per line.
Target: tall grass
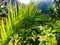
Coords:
pixel 18 18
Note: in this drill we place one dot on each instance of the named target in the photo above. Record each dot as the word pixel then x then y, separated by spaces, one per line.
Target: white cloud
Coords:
pixel 24 1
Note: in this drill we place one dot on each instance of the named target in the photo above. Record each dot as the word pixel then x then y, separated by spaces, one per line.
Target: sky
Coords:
pixel 24 1
pixel 28 1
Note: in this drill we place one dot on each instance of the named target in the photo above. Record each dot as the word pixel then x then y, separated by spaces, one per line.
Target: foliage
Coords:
pixel 3 8
pixel 28 26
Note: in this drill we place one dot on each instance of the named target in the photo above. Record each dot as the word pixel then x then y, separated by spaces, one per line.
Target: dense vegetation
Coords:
pixel 29 26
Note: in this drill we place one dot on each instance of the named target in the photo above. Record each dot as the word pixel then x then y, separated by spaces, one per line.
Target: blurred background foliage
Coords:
pixel 27 25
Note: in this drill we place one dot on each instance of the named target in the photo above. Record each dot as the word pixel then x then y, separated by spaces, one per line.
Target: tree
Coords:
pixel 57 8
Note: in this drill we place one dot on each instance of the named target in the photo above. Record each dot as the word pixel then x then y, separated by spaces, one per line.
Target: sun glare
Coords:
pixel 24 1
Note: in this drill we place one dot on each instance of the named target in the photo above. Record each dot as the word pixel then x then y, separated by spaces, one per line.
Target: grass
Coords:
pixel 26 26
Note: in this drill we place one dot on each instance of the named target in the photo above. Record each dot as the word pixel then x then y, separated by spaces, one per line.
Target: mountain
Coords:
pixel 43 4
